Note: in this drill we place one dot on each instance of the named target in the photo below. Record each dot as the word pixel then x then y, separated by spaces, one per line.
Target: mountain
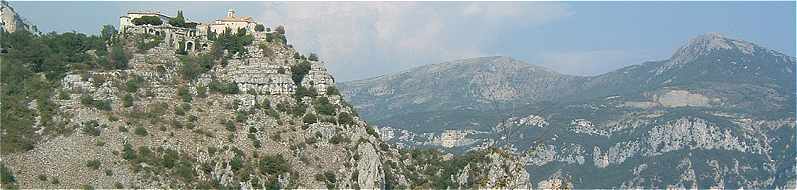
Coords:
pixel 144 113
pixel 464 86
pixel 707 117
pixel 729 69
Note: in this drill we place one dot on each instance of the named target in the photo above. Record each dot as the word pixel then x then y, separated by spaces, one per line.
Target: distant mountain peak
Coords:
pixel 710 42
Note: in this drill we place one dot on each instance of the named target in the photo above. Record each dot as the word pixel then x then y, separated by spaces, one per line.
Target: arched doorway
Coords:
pixel 189 46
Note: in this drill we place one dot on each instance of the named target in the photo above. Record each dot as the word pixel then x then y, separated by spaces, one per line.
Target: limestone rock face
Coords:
pixel 9 19
pixel 506 172
pixel 368 167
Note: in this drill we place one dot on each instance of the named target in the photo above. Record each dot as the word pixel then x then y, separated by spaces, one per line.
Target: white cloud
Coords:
pixel 363 39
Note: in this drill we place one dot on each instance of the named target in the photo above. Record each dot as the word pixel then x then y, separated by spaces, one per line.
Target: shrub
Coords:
pixel 127 100
pixel 93 164
pixel 260 28
pixel 88 100
pixel 118 59
pixel 312 57
pixel 280 29
pixel 299 110
pixel 179 111
pixel 91 128
pixel 331 90
pixel 224 88
pixel 346 119
pixel 322 106
pixel 108 172
pixel 170 158
pixel 194 66
pixel 229 125
pixel 298 72
pixel 371 131
pixel 337 139
pixel 134 84
pixel 201 91
pixel 274 165
pixel 6 175
pixel 140 131
pixel 241 116
pixel 310 118
pixel 128 152
pixel 183 93
pixel 301 91
pixel 63 95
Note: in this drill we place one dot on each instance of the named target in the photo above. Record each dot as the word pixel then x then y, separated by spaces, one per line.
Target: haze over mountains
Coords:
pixel 716 109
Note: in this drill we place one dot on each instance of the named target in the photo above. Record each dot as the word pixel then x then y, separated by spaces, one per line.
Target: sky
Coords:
pixel 358 40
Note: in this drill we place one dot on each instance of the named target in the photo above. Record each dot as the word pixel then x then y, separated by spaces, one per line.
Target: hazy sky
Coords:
pixel 365 39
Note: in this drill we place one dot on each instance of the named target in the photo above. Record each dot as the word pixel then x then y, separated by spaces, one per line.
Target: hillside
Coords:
pixel 705 118
pixel 134 110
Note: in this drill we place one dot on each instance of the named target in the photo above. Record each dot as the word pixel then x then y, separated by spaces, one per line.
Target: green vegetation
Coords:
pixel 346 119
pixel 309 118
pixel 229 125
pixel 298 72
pixel 328 178
pixel 201 91
pixel 223 87
pixel 91 128
pixel 371 131
pixel 312 57
pixel 184 94
pixel 338 138
pixel 93 164
pixel 193 66
pixel 88 100
pixel 260 27
pixel 274 165
pixel 178 21
pixel 151 20
pixel 331 90
pixel 127 100
pixel 232 42
pixel 322 106
pixel 134 84
pixel 7 178
pixel 118 59
pixel 145 42
pixel 140 131
pixel 31 70
pixel 241 116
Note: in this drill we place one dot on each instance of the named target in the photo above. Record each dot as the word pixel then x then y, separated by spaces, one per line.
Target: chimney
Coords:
pixel 231 13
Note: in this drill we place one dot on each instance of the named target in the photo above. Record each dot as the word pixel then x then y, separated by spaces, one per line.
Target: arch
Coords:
pixel 189 46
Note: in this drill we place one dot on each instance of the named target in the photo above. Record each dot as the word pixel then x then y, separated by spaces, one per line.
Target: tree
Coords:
pixel 260 28
pixel 280 30
pixel 107 33
pixel 151 20
pixel 118 58
pixel 312 57
pixel 178 21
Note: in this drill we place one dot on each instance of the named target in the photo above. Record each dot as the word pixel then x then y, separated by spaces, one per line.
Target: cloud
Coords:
pixel 364 39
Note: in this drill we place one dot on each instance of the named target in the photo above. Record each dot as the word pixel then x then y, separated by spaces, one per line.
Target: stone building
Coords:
pixel 191 39
pixel 233 22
